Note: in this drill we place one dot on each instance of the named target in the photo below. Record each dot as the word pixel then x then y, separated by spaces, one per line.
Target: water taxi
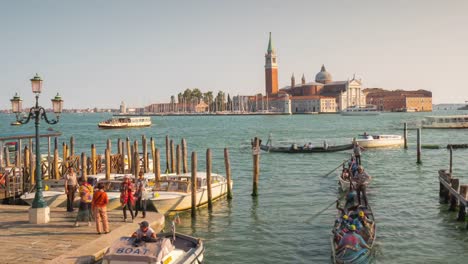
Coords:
pixel 168 248
pixel 379 141
pixel 173 193
pixel 368 110
pixel 126 122
pixel 455 121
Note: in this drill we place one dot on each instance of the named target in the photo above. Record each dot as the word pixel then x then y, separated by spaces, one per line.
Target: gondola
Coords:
pixel 349 255
pixel 301 149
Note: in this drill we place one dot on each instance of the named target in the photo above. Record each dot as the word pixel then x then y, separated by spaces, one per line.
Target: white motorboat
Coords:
pixel 169 248
pixel 454 121
pixel 379 141
pixel 53 193
pixel 126 122
pixel 368 110
pixel 173 193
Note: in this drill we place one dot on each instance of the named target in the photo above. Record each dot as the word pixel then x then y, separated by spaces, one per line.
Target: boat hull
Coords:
pixel 183 250
pixel 110 126
pixel 380 143
pixel 165 202
pixel 52 198
pixel 306 150
pixel 360 113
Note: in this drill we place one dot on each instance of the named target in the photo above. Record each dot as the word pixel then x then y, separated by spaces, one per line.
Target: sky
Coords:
pixel 99 53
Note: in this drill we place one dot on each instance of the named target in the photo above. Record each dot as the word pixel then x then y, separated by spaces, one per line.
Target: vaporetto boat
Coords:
pixel 173 193
pixel 379 141
pixel 368 110
pixel 447 122
pixel 126 122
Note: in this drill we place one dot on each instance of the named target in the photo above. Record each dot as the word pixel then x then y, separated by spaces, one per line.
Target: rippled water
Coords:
pixel 279 226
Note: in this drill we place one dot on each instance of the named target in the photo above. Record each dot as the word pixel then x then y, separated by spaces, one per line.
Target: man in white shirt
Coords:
pixel 71 184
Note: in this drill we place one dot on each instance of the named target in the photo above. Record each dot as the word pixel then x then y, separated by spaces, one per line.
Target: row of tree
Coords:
pixel 195 96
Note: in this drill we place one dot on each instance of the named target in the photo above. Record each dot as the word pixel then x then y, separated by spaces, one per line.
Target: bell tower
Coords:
pixel 271 70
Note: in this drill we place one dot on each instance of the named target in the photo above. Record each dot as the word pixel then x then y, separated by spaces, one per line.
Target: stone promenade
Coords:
pixel 60 241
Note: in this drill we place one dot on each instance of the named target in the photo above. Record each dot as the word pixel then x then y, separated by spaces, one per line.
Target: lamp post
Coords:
pixel 39 212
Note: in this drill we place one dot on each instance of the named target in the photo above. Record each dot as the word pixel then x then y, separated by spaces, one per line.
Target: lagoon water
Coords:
pixel 279 226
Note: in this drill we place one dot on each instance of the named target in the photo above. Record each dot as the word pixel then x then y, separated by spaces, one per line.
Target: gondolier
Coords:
pixel 361 179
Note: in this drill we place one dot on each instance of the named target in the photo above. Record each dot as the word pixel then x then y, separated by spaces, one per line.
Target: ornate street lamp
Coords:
pixel 37 113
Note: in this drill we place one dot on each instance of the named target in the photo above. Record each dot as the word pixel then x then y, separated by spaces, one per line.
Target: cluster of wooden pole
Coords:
pixel 194 164
pixel 451 192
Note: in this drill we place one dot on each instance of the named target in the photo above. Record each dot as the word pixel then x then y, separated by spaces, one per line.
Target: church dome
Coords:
pixel 323 76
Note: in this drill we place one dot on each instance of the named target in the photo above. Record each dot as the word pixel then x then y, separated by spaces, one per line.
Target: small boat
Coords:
pixel 169 248
pixel 294 148
pixel 455 121
pixel 53 193
pixel 173 193
pixel 351 255
pixel 368 110
pixel 126 122
pixel 16 123
pixel 379 141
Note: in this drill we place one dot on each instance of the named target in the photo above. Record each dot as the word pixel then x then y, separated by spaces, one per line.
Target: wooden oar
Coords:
pixel 324 209
pixel 328 174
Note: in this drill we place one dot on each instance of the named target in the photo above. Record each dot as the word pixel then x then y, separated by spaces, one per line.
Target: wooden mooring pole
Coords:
pixel 129 155
pixel 405 135
pixel 453 199
pixel 108 164
pixel 194 184
pixel 144 146
pixel 462 208
pixel 227 165
pixel 184 156
pixel 178 157
pixel 451 160
pixel 208 178
pixel 419 147
pixel 256 166
pixel 84 167
pixel 93 159
pixel 173 154
pixel 167 154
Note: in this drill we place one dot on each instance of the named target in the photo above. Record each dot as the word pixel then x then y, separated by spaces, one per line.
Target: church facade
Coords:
pixel 322 95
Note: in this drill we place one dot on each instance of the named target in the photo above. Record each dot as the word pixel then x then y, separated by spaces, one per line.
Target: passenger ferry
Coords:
pixel 126 122
pixel 455 121
pixel 367 110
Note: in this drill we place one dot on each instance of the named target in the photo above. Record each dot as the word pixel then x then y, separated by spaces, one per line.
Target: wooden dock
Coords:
pixel 452 192
pixel 60 241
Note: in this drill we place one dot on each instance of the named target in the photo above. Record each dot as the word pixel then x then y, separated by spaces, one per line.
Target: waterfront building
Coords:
pixel 307 96
pixel 313 104
pixel 123 108
pixel 399 100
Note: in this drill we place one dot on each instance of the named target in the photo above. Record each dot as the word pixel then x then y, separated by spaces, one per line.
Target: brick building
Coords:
pixel 399 100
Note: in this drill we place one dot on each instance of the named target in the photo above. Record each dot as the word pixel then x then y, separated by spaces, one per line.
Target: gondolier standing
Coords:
pixel 71 184
pixel 357 152
pixel 361 179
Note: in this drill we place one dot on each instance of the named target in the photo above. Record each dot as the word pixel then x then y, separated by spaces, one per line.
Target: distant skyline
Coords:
pixel 99 53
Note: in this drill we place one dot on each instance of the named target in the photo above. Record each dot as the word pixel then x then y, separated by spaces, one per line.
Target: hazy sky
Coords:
pixel 98 53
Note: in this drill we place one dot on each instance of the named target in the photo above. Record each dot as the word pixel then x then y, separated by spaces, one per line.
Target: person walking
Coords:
pixel 140 194
pixel 126 197
pixel 86 197
pixel 71 185
pixel 99 208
